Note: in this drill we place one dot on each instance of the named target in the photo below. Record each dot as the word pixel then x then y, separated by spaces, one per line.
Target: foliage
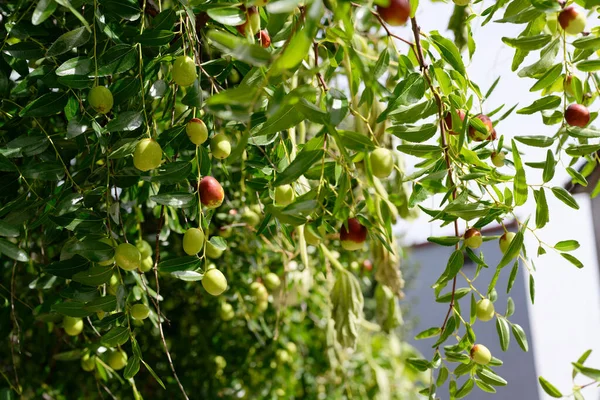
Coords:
pixel 305 102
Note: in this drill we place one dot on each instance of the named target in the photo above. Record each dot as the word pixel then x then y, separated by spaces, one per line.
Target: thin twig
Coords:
pixel 319 76
pixel 120 217
pixel 16 324
pixel 384 26
pixel 157 303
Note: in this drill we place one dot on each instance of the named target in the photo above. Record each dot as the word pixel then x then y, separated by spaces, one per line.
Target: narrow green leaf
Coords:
pixel 520 183
pixel 117 336
pixel 565 197
pixel 590 42
pixel 512 277
pixel 427 333
pixel 520 336
pixel 303 161
pixel 45 105
pixel 465 389
pixel 589 372
pixel 577 177
pixel 232 16
pixel 545 103
pixel 43 11
pixel 356 141
pixel 178 200
pixel 567 245
pixel 535 141
pixel 529 43
pixel 414 134
pixel 542 214
pixel 11 250
pixel 548 78
pixel 491 378
pixel 572 259
pixel 69 41
pixel 581 360
pixel 588 65
pixel 149 368
pixel 448 51
pixel 95 276
pixel 107 303
pixel 548 172
pixel 444 240
pixel 132 367
pixel 532 289
pixel 71 309
pixel 549 388
pixel 503 333
pixel 513 249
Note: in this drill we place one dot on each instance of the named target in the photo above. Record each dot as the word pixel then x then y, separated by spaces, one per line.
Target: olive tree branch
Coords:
pixel 424 70
pixel 319 76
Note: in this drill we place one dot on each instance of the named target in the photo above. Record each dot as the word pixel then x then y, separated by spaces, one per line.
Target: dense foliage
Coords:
pixel 198 196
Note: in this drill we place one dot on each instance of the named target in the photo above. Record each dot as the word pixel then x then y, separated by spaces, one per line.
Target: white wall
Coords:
pixel 566 314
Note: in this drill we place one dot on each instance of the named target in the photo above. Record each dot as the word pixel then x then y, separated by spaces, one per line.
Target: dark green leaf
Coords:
pixel 67 268
pixel 126 121
pixel 107 303
pixel 117 59
pixel 95 276
pixel 11 250
pixel 117 336
pixel 301 164
pixel 72 309
pixel 179 264
pixel 69 41
pixel 25 50
pixel 43 11
pixel 45 105
pixel 155 37
pixel 75 66
pixel 132 367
